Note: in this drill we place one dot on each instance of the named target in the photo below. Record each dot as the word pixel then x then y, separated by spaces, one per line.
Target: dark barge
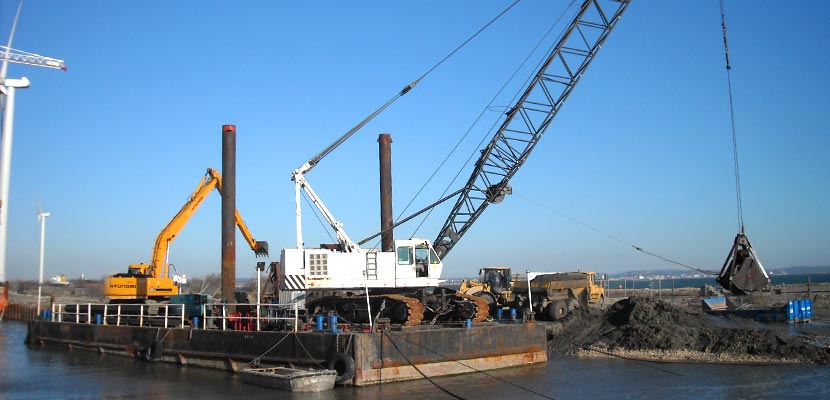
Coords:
pixel 360 358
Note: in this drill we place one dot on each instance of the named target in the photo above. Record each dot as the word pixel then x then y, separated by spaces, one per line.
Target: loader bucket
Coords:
pixel 261 249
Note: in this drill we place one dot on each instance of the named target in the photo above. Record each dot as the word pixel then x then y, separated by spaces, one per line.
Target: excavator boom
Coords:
pixel 153 280
pixel 158 263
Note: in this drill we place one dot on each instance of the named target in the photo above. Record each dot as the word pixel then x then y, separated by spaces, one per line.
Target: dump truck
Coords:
pixel 552 294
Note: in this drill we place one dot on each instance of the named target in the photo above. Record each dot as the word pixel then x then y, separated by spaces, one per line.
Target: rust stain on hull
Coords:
pixel 388 374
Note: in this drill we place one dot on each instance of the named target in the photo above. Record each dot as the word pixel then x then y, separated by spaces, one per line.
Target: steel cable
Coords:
pixel 458 362
pixel 732 118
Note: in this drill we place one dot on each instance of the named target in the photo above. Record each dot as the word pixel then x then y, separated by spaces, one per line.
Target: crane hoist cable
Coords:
pixel 742 272
pixel 313 162
pixel 488 133
pixel 732 118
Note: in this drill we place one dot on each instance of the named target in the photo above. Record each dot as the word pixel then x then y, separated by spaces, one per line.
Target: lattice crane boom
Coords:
pixel 21 57
pixel 526 121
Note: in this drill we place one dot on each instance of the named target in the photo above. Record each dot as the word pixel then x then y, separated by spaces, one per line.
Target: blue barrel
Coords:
pixel 499 312
pixel 468 323
pixel 802 304
pixel 319 319
pixel 333 323
pixel 791 311
pixel 98 319
pixel 808 308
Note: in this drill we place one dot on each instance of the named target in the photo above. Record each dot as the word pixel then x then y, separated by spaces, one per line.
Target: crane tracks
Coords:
pixel 406 310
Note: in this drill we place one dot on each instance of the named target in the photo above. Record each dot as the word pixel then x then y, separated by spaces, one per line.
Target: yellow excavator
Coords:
pixel 152 281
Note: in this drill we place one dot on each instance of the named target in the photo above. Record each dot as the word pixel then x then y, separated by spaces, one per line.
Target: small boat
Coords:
pixel 290 379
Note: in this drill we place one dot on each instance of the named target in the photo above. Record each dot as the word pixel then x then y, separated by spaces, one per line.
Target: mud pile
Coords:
pixel 645 328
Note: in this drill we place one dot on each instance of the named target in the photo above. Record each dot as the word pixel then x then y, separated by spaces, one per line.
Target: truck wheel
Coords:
pixel 572 303
pixel 556 310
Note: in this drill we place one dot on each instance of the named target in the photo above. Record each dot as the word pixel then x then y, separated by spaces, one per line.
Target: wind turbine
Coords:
pixel 7 90
pixel 41 216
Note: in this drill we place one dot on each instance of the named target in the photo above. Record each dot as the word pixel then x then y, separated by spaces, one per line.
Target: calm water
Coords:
pixel 52 373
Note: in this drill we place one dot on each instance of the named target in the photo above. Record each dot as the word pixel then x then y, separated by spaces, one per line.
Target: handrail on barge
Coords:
pixel 204 316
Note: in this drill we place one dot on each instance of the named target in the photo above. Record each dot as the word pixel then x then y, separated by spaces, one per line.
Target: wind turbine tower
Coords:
pixel 42 217
pixel 7 90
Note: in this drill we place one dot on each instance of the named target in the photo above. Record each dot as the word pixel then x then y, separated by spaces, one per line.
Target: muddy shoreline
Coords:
pixel 649 329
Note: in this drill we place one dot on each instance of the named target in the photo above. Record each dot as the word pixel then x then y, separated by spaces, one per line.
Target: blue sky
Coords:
pixel 641 151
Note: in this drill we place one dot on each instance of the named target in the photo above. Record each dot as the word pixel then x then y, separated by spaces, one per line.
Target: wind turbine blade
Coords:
pixel 9 46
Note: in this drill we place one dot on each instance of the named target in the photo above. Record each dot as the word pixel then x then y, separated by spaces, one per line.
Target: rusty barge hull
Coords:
pixel 374 358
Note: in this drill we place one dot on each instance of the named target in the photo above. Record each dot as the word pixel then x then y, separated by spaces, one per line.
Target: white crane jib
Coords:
pixel 22 57
pixel 298 176
pixel 301 183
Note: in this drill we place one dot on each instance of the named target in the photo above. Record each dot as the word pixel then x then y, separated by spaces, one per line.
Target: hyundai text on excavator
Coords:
pixel 400 280
pixel 152 281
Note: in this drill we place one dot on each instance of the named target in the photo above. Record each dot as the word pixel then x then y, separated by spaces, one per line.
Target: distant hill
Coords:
pixel 687 273
pixel 825 269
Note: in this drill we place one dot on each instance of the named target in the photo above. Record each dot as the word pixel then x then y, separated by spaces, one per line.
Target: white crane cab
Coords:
pixel 413 263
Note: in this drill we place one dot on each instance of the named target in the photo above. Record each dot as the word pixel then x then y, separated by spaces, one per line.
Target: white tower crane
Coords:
pixel 7 90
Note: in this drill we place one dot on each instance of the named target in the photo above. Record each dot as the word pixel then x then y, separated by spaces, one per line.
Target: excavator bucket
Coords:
pixel 261 249
pixel 742 272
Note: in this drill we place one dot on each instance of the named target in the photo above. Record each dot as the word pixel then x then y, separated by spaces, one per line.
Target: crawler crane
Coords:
pixel 401 282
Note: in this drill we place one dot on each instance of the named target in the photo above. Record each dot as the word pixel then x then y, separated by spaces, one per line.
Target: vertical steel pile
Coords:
pixel 228 217
pixel 387 238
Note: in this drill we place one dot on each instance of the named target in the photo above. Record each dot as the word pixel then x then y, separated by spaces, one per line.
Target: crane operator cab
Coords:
pixel 425 256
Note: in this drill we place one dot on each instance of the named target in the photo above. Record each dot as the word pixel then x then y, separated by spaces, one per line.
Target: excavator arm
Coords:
pixel 526 121
pixel 212 180
pixel 158 263
pixel 260 248
pixel 152 281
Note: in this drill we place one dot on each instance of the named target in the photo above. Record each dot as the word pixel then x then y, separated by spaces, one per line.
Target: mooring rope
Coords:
pixel 615 238
pixel 455 396
pixel 461 363
pixel 645 363
pixel 258 360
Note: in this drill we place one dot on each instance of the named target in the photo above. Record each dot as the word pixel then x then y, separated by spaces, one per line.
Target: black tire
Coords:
pixel 572 303
pixel 153 351
pixel 491 298
pixel 556 310
pixel 344 365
